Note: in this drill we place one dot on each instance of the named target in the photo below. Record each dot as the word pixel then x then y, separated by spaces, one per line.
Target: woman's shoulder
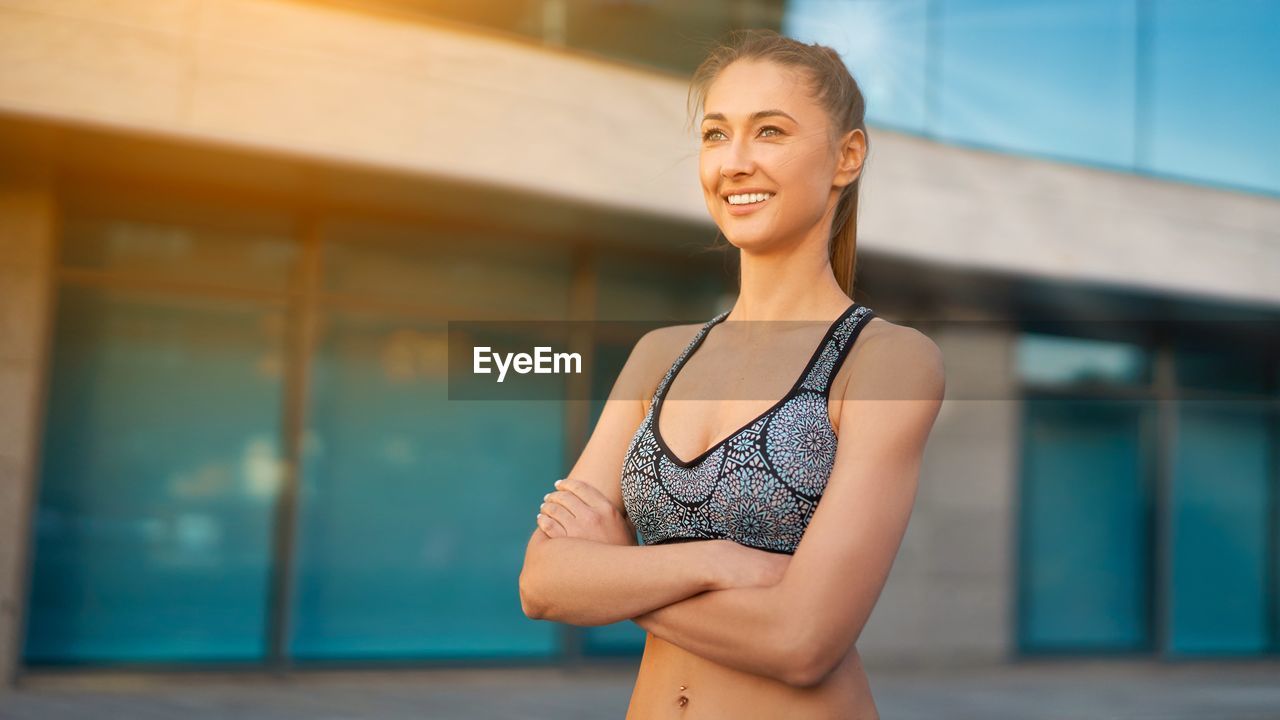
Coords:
pixel 889 353
pixel 890 337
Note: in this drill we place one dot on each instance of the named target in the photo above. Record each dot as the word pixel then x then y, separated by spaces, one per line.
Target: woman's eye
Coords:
pixel 708 134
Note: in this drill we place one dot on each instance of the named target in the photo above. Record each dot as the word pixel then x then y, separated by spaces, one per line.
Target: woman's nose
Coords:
pixel 737 159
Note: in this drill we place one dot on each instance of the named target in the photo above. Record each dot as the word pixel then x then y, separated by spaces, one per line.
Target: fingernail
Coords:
pixel 544 497
pixel 539 516
pixel 558 482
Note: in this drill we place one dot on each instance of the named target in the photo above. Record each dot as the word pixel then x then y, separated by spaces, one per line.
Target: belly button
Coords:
pixel 682 700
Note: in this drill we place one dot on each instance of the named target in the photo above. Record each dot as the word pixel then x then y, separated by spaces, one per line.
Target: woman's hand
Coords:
pixel 577 510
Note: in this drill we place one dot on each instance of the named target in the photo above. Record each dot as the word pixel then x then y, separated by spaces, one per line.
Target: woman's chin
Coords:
pixel 748 240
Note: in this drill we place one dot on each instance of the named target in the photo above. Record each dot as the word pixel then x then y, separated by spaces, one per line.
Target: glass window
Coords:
pixel 1214 94
pixel 665 34
pixel 450 275
pixel 1052 78
pixel 883 42
pixel 1221 531
pixel 415 510
pixel 177 242
pixel 159 478
pixel 1084 580
pixel 1241 372
pixel 1059 360
pixel 658 290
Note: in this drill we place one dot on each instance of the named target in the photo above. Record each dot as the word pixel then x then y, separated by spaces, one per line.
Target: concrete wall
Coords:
pixel 26 248
pixel 1039 219
pixel 401 93
pixel 347 86
pixel 949 597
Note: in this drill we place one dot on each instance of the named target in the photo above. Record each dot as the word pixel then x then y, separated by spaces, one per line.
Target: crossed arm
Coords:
pixel 699 595
pixel 719 600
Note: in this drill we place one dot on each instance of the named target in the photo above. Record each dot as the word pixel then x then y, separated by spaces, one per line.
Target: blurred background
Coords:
pixel 232 233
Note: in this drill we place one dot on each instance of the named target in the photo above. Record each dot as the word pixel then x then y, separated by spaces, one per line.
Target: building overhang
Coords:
pixel 332 102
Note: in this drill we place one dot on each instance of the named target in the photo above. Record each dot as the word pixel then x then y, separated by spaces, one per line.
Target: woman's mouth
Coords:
pixel 745 203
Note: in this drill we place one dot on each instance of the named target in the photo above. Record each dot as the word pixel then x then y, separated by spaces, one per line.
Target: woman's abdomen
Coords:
pixel 674 683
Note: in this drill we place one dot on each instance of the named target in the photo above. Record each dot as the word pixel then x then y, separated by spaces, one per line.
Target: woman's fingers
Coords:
pixel 586 492
pixel 551 527
pixel 558 512
pixel 568 501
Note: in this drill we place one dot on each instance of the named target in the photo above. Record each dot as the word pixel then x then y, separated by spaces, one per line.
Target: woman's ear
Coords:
pixel 853 152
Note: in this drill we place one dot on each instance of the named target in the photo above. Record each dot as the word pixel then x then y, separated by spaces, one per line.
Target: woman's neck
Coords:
pixel 794 285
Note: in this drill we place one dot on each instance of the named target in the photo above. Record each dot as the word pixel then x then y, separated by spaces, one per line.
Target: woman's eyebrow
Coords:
pixel 754 116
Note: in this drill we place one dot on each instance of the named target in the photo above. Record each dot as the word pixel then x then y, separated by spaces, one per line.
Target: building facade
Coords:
pixel 232 234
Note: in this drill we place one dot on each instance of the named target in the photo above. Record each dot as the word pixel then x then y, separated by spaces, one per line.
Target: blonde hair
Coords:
pixel 832 85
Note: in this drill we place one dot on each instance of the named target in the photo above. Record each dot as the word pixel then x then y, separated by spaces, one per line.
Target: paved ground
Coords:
pixel 1096 690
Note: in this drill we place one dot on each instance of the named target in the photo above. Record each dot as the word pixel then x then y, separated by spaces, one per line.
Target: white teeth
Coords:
pixel 748 198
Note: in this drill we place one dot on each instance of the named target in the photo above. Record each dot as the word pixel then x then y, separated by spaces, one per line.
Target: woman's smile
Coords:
pixel 747 203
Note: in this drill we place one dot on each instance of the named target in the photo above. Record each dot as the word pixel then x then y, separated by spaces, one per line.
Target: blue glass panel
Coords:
pixel 176 240
pixel 1215 91
pixel 415 510
pixel 884 45
pixel 1053 78
pixel 1060 360
pixel 649 289
pixel 1221 502
pixel 159 474
pixel 461 277
pixel 1215 370
pixel 1084 563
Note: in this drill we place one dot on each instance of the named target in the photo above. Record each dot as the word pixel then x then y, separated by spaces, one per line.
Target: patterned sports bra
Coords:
pixel 758 487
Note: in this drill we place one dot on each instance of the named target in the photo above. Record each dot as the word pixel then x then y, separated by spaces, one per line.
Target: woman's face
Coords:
pixel 762 132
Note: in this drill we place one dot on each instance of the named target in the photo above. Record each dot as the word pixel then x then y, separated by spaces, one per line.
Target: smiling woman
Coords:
pixel 832 117
pixel 766 551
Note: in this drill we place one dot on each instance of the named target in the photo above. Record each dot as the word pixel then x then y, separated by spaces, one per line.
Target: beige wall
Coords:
pixel 26 246
pixel 401 93
pixel 950 595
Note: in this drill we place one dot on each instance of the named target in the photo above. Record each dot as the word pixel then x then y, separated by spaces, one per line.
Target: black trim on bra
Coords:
pixel 680 539
pixel 795 387
pixel 844 351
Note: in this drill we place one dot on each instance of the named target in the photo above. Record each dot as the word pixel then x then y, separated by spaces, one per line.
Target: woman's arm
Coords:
pixel 578 581
pixel 742 628
pixel 578 512
pixel 585 582
pixel 798 630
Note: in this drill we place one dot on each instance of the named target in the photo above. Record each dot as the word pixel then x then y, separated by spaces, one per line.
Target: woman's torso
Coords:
pixel 758 486
pixel 675 683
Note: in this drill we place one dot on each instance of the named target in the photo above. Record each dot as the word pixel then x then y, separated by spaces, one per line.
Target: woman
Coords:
pixel 751 592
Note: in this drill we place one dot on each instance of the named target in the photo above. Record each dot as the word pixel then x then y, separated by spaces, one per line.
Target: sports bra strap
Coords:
pixel 836 350
pixel 697 338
